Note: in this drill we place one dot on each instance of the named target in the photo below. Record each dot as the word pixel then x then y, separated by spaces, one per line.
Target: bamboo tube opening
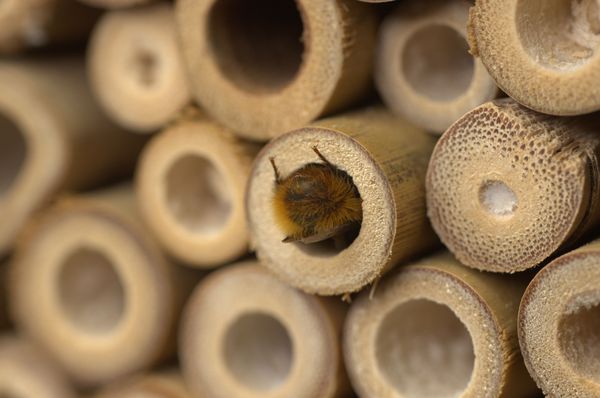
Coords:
pixel 13 151
pixel 497 198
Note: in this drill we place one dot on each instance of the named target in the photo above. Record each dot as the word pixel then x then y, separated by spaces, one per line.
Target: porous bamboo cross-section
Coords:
pixel 559 325
pixel 165 384
pixel 437 329
pixel 543 53
pixel 507 187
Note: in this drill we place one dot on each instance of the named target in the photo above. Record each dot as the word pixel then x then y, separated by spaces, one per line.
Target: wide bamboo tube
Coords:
pixel 26 372
pixel 136 69
pixel 507 187
pixel 92 287
pixel 54 137
pixel 423 69
pixel 114 4
pixel 541 52
pixel 437 329
pixel 166 384
pixel 264 67
pixel 191 181
pixel 387 159
pixel 559 325
pixel 246 334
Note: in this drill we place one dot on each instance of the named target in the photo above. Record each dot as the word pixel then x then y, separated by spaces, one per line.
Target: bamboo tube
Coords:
pixel 246 334
pixel 191 181
pixel 54 137
pixel 136 69
pixel 437 329
pixel 507 187
pixel 26 372
pixel 35 23
pixel 423 69
pixel 3 295
pixel 91 286
pixel 264 67
pixel 115 4
pixel 541 53
pixel 386 159
pixel 559 324
pixel 167 384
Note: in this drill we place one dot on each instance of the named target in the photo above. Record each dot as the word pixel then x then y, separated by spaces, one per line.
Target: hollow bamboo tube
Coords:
pixel 540 52
pixel 54 137
pixel 559 324
pixel 246 334
pixel 90 285
pixel 166 384
pixel 191 181
pixel 437 329
pixel 263 67
pixel 26 372
pixel 507 187
pixel 136 69
pixel 115 4
pixel 36 23
pixel 387 159
pixel 423 69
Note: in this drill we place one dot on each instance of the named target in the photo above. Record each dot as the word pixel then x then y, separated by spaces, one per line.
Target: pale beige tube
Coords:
pixel 246 334
pixel 559 325
pixel 135 67
pixel 114 4
pixel 90 285
pixel 54 137
pixel 423 69
pixel 165 384
pixel 190 186
pixel 437 329
pixel 27 372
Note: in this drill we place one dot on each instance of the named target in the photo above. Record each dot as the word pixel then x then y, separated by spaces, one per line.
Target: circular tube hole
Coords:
pixel 144 66
pixel 197 195
pixel 258 351
pixel 424 350
pixel 91 293
pixel 258 44
pixel 13 150
pixel 437 64
pixel 497 198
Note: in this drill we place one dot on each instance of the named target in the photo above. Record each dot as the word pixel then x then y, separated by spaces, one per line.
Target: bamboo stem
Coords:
pixel 166 384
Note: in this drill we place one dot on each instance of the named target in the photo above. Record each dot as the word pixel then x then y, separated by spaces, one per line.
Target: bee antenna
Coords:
pixel 320 155
pixel 277 176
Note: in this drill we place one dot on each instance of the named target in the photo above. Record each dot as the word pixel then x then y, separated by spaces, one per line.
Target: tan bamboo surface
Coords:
pixel 27 372
pixel 165 384
pixel 423 69
pixel 264 67
pixel 54 137
pixel 135 67
pixel 3 295
pixel 190 184
pixel 36 23
pixel 507 187
pixel 91 285
pixel 541 53
pixel 114 4
pixel 437 329
pixel 559 324
pixel 387 159
pixel 246 334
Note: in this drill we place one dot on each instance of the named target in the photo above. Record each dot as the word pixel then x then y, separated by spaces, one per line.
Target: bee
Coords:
pixel 316 202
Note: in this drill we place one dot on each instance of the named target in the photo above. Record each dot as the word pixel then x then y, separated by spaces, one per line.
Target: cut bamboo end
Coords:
pixel 559 324
pixel 114 4
pixel 541 53
pixel 136 69
pixel 264 67
pixel 423 68
pixel 26 372
pixel 155 385
pixel 437 329
pixel 92 288
pixel 386 159
pixel 507 187
pixel 247 334
pixel 191 181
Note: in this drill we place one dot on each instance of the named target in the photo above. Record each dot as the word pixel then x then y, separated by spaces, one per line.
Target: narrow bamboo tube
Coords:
pixel 191 181
pixel 507 187
pixel 136 69
pixel 437 329
pixel 263 67
pixel 387 159
pixel 90 285
pixel 541 52
pixel 246 334
pixel 423 69
pixel 559 324
pixel 54 137
pixel 114 4
pixel 168 384
pixel 26 372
